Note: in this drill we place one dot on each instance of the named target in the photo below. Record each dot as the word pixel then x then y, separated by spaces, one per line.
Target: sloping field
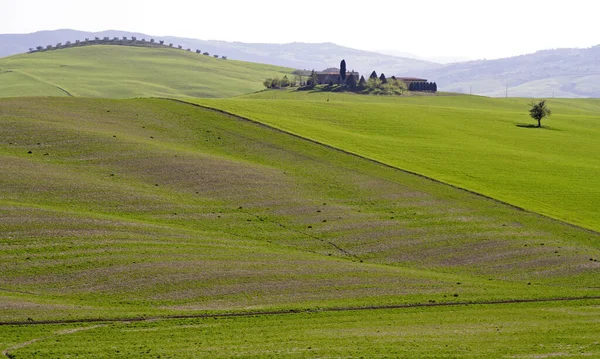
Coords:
pixel 123 72
pixel 481 144
pixel 149 208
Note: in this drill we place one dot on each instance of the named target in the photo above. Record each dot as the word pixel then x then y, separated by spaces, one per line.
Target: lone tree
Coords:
pixel 538 111
pixel 343 71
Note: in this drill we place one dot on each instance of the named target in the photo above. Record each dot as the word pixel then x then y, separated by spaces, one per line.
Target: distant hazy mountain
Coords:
pixel 436 59
pixel 561 72
pixel 295 55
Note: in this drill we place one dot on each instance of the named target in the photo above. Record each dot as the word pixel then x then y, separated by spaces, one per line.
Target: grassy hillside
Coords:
pixel 147 207
pixel 477 143
pixel 122 72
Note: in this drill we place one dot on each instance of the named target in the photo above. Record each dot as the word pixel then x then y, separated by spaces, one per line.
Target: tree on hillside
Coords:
pixel 362 83
pixel 343 71
pixel 373 75
pixel 383 79
pixel 539 111
pixel 351 81
pixel 312 80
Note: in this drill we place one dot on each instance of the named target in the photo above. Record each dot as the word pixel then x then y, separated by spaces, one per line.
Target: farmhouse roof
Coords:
pixel 334 71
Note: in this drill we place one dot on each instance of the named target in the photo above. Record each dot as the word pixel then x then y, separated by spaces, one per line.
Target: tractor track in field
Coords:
pixel 294 311
pixel 264 125
pixel 6 352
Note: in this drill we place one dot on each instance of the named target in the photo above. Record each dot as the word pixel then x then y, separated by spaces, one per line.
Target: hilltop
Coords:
pixel 125 71
pixel 295 55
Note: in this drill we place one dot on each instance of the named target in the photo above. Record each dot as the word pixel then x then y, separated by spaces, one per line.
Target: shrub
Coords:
pixel 162 42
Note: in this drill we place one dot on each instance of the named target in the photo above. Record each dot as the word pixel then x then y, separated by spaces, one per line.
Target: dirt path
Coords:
pixel 6 352
pixel 295 311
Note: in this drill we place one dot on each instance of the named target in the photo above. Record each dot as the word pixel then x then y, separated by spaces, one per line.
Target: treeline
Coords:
pixel 423 86
pixel 124 41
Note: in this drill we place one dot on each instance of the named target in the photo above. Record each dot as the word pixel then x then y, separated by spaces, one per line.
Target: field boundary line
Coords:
pixel 297 311
pixel 46 82
pixel 262 124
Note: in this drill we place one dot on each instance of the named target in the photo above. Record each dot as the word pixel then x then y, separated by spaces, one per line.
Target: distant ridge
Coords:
pixel 546 73
pixel 295 55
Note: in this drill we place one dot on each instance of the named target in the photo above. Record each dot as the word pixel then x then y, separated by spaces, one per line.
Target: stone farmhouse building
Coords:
pixel 333 75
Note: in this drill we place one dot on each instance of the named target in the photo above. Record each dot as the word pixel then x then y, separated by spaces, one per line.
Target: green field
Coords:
pixel 319 225
pixel 508 331
pixel 153 208
pixel 480 144
pixel 125 72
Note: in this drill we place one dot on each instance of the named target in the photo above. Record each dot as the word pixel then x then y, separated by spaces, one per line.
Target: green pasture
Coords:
pixel 543 330
pixel 124 72
pixel 481 144
pixel 146 207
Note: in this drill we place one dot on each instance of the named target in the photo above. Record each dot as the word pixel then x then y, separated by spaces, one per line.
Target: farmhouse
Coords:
pixel 333 75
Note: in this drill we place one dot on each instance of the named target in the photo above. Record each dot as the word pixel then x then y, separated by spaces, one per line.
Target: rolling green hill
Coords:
pixel 124 72
pixel 476 143
pixel 152 208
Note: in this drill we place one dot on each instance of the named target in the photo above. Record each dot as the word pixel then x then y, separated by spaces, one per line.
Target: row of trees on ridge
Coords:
pixel 124 41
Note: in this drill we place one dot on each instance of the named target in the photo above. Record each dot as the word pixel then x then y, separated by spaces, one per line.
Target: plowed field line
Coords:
pixel 299 311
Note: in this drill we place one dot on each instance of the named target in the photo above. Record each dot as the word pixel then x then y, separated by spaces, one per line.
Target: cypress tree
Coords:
pixel 373 75
pixel 343 71
pixel 434 89
pixel 362 82
pixel 383 79
pixel 351 81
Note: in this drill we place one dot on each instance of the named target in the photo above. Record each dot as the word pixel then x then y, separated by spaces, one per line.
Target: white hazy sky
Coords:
pixel 467 28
